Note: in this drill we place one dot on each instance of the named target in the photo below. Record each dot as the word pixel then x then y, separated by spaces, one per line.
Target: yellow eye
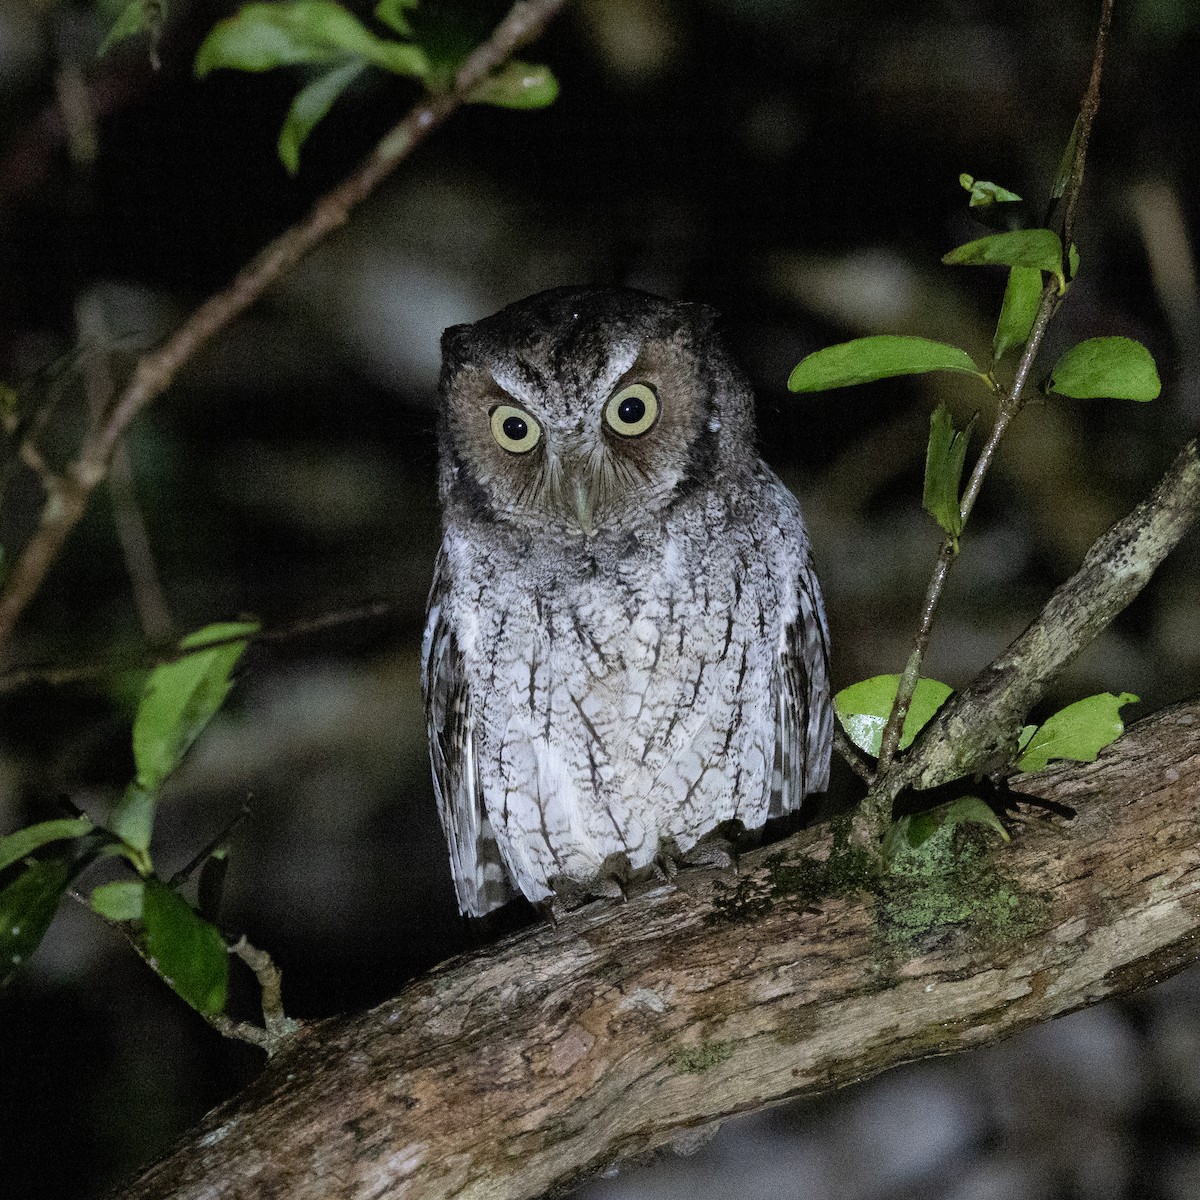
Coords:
pixel 514 429
pixel 633 410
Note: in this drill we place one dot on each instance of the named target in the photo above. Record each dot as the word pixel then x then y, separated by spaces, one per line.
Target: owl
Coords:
pixel 626 646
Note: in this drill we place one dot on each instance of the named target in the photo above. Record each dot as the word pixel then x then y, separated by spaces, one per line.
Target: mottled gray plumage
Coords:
pixel 626 645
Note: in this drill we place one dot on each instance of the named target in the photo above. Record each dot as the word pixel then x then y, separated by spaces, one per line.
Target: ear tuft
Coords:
pixel 455 345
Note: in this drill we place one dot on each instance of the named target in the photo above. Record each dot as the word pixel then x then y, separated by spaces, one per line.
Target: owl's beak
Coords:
pixel 584 503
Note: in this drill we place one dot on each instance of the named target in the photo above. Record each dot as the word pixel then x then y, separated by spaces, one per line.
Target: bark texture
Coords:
pixel 561 1051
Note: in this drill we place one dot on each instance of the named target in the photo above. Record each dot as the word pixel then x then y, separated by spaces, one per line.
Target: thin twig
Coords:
pixel 1087 114
pixel 877 806
pixel 148 593
pixel 78 116
pixel 278 1025
pixel 186 872
pixel 155 371
pixel 241 1031
pixel 58 675
pixel 1010 406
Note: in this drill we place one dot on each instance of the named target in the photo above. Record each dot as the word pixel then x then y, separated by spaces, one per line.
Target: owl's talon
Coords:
pixel 665 867
pixel 716 852
pixel 570 894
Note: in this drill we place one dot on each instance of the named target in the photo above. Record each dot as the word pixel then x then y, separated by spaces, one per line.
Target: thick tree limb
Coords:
pixel 67 494
pixel 567 1048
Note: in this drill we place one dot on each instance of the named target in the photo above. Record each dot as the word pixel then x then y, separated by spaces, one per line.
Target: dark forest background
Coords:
pixel 794 164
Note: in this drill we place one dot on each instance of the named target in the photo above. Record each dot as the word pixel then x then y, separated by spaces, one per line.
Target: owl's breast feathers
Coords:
pixel 621 692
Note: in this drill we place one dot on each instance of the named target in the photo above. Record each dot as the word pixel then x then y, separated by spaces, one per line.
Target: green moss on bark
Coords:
pixel 695 1059
pixel 954 883
pixel 798 881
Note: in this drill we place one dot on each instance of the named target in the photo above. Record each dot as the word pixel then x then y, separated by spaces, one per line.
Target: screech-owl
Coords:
pixel 626 644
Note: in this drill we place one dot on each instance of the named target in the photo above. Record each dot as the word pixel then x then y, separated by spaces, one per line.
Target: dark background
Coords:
pixel 794 164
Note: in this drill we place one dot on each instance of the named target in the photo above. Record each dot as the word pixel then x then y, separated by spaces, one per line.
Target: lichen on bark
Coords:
pixel 954 884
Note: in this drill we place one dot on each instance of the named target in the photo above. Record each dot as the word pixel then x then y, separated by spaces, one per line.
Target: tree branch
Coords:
pixel 976 729
pixel 566 1048
pixel 66 502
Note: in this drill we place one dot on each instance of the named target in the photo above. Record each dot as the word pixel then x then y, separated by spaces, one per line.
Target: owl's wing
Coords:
pixel 479 876
pixel 803 709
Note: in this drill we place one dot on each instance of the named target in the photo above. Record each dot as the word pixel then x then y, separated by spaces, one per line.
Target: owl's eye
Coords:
pixel 514 429
pixel 633 410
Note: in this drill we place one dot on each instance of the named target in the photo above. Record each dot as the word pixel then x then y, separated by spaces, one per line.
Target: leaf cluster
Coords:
pixel 1077 732
pixel 1040 271
pixel 334 47
pixel 39 863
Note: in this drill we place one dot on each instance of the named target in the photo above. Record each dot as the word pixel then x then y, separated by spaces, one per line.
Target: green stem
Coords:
pixel 877 807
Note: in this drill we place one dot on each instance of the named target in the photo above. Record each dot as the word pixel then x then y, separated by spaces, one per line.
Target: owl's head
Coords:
pixel 593 409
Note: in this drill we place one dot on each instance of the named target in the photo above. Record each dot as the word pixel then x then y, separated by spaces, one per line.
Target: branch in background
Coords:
pixel 308 627
pixel 148 594
pixel 550 1057
pixel 30 154
pixel 976 729
pixel 68 498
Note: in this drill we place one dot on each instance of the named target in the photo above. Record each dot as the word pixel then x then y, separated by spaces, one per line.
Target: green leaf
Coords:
pixel 912 832
pixel 132 821
pixel 310 106
pixel 184 948
pixel 1073 260
pixel 968 810
pixel 1079 731
pixel 870 358
pixel 25 841
pixel 984 194
pixel 518 85
pixel 1039 248
pixel 864 707
pixel 1021 299
pixel 138 16
pixel 180 698
pixel 262 36
pixel 391 13
pixel 27 906
pixel 121 900
pixel 944 459
pixel 1116 367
